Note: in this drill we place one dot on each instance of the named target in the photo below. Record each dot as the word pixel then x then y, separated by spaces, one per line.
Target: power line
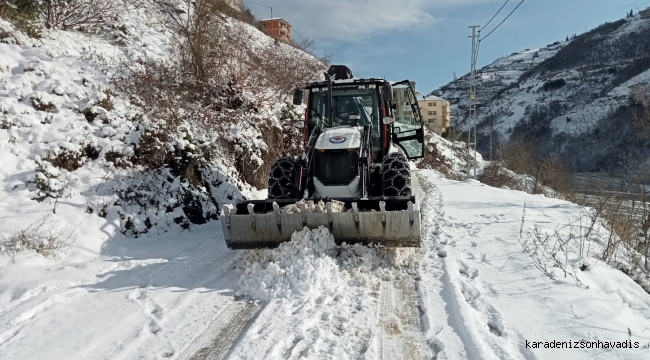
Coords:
pixel 504 20
pixel 495 15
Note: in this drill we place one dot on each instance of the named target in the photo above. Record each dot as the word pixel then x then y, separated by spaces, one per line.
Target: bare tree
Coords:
pixel 69 14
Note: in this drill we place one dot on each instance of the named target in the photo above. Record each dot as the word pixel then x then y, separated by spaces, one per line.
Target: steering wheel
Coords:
pixel 344 118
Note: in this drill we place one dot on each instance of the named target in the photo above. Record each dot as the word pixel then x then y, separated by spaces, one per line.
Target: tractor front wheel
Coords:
pixel 396 175
pixel 282 179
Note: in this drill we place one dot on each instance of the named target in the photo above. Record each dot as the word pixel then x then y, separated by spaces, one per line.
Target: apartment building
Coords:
pixel 435 113
pixel 277 28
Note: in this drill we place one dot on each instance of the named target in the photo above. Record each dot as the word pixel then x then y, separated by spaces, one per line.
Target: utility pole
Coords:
pixel 472 99
pixel 491 131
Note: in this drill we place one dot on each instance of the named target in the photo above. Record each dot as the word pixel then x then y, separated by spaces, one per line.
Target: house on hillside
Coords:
pixel 235 4
pixel 435 113
pixel 645 14
pixel 277 28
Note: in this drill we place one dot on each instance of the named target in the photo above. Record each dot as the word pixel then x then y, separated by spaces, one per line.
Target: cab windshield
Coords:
pixel 346 101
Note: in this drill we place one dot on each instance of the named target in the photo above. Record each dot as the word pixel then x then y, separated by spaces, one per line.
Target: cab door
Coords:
pixel 408 128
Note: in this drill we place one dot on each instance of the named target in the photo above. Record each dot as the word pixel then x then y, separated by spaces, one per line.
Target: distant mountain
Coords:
pixel 571 98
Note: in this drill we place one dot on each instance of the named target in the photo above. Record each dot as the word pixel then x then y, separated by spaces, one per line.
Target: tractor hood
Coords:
pixel 339 138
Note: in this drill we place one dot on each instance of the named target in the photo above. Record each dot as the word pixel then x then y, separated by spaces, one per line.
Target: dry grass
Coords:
pixel 495 175
pixel 44 237
pixel 627 221
pixel 433 159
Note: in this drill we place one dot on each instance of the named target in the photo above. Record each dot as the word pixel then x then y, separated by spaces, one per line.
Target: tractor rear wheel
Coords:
pixel 396 175
pixel 282 179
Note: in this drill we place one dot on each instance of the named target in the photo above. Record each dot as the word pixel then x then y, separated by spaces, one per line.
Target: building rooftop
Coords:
pixel 270 19
pixel 433 97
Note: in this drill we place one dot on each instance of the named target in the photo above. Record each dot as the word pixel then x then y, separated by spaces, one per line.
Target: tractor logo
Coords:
pixel 338 139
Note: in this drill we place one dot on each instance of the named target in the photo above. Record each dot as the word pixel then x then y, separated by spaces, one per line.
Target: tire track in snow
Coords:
pixel 220 336
pixel 470 319
pixel 399 321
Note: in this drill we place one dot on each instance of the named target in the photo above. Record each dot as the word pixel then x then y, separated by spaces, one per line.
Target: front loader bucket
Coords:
pixel 385 227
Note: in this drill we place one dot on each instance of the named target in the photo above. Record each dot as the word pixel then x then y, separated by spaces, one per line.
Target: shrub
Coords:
pixel 496 176
pixel 5 124
pixel 23 14
pixel 554 84
pixel 46 182
pixel 43 237
pixel 42 105
pixel 65 159
pixel 77 14
pixel 434 159
pixel 59 14
pixel 105 102
pixel 453 134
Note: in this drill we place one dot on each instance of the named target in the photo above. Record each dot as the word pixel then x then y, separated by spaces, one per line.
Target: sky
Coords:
pixel 427 40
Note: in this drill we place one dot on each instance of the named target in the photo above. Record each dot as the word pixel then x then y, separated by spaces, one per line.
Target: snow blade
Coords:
pixel 395 223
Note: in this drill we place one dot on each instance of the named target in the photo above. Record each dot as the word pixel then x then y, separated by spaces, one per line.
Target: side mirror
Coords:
pixel 297 97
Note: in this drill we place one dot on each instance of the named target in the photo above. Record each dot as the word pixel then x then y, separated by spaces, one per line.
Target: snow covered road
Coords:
pixel 483 298
pixel 470 292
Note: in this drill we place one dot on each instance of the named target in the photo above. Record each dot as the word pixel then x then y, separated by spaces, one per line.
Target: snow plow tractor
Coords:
pixel 353 176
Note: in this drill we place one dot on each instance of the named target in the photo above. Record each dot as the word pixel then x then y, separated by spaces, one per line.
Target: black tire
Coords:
pixel 281 179
pixel 396 175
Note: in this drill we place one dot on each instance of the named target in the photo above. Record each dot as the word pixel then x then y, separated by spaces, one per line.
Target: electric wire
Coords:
pixel 504 20
pixel 495 15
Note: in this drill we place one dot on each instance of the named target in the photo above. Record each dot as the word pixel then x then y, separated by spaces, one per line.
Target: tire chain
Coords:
pixel 281 179
pixel 396 175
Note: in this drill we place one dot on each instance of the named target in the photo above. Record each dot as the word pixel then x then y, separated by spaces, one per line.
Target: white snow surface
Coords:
pixel 480 294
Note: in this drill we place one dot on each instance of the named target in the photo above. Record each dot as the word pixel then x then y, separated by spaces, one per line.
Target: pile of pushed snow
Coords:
pixel 313 265
pixel 312 207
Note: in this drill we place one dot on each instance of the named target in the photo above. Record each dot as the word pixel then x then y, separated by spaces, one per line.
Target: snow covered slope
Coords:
pixel 572 98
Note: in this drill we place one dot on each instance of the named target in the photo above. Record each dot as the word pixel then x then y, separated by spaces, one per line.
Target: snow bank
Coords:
pixel 312 265
pixel 312 207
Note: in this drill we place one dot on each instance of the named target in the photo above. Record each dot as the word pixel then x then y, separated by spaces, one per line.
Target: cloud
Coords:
pixel 354 20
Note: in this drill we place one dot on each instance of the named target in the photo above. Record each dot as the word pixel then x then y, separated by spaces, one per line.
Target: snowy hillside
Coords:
pixel 81 120
pixel 572 98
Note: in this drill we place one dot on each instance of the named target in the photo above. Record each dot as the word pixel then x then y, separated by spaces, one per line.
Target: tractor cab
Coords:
pixel 390 111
